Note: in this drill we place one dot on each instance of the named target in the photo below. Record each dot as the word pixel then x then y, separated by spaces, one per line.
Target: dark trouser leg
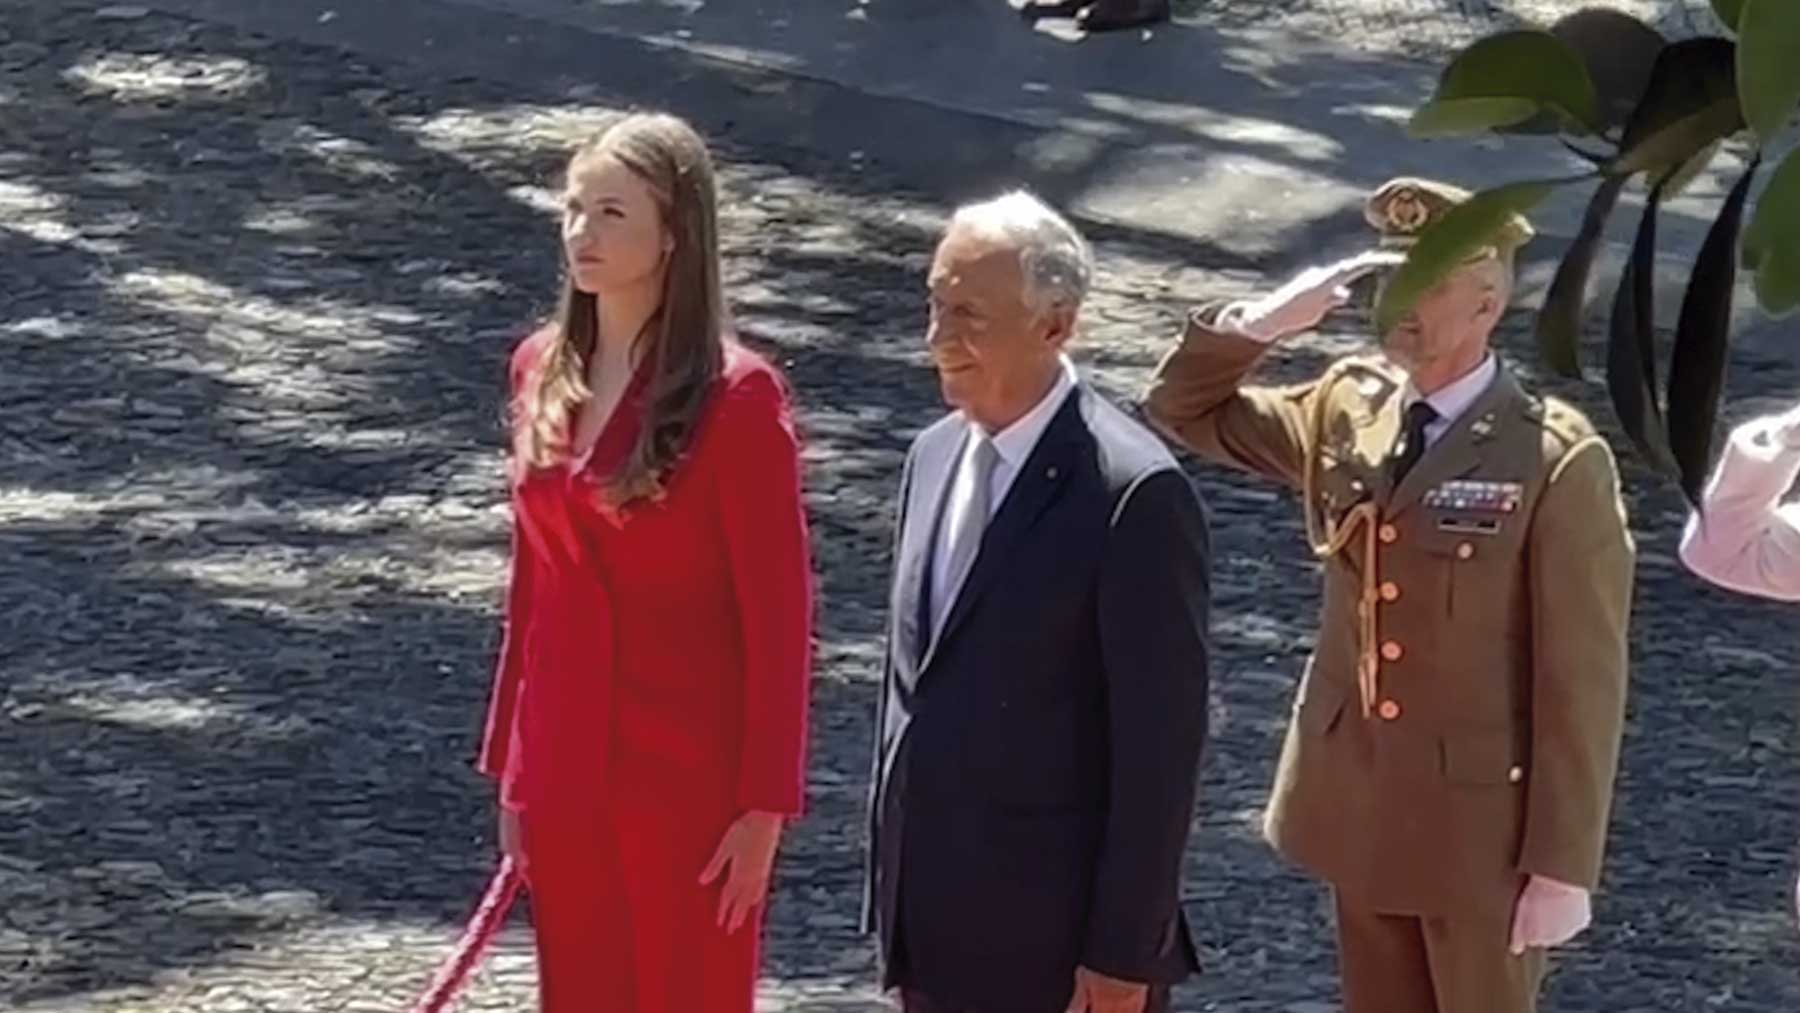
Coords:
pixel 912 1001
pixel 915 1001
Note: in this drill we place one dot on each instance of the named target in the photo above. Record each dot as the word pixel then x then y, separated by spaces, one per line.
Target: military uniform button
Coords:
pixel 1465 551
pixel 1390 591
pixel 1389 710
pixel 1388 534
pixel 1515 775
pixel 1392 650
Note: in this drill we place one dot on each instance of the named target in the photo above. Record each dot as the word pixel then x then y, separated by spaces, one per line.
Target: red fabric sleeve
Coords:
pixel 496 740
pixel 765 527
pixel 509 674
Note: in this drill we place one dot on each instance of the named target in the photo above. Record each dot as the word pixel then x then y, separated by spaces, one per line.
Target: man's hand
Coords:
pixel 1300 304
pixel 1096 993
pixel 748 851
pixel 1549 913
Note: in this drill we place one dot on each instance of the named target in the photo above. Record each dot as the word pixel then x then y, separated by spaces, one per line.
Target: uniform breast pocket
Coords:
pixel 1442 562
pixel 1477 555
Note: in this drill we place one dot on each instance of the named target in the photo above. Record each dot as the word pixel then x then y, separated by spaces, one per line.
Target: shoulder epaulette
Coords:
pixel 1565 422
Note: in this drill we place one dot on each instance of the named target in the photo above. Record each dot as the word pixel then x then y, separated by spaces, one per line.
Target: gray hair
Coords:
pixel 1057 262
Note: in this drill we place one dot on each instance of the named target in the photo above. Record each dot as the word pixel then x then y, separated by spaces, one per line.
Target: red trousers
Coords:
pixel 623 924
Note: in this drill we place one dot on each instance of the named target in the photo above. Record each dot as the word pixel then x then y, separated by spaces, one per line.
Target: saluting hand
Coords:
pixel 1097 993
pixel 748 852
pixel 1300 304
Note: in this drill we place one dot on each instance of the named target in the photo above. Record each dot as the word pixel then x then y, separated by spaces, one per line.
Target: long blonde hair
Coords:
pixel 685 341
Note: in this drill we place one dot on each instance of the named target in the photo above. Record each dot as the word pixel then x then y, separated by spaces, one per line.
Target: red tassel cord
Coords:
pixel 484 925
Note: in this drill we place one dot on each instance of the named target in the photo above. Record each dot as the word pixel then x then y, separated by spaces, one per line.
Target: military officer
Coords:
pixel 1449 766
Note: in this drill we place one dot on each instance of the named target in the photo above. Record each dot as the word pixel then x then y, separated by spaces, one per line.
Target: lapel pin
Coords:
pixel 1483 427
pixel 1050 472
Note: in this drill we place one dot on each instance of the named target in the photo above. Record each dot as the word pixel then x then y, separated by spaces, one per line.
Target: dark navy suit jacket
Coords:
pixel 1035 770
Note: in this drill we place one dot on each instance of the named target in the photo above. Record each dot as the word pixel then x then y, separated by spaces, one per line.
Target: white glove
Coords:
pixel 1300 304
pixel 1549 913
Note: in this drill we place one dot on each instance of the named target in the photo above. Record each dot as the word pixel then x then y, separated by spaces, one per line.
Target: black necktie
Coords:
pixel 1411 447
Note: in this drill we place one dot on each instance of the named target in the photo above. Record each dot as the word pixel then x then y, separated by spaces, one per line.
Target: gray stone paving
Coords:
pixel 257 298
pixel 1430 28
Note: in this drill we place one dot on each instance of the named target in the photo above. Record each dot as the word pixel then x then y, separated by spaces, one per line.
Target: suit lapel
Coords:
pixel 1458 451
pixel 1036 486
pixel 935 468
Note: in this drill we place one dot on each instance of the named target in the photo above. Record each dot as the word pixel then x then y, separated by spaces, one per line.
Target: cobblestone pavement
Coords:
pixel 255 307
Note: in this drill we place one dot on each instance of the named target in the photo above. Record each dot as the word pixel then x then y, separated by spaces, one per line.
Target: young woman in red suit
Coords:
pixel 648 718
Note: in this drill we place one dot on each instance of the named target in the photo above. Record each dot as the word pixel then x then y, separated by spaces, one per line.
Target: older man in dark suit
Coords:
pixel 1045 695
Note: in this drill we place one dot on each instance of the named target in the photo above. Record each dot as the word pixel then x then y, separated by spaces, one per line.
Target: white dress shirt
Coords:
pixel 1453 400
pixel 1750 540
pixel 1014 444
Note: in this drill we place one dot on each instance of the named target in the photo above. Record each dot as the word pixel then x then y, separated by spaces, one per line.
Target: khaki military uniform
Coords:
pixel 1458 726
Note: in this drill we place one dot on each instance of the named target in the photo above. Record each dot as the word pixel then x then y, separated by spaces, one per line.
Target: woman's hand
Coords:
pixel 512 837
pixel 745 857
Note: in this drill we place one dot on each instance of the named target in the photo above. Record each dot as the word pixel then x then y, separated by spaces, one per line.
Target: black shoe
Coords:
pixel 1039 9
pixel 1114 15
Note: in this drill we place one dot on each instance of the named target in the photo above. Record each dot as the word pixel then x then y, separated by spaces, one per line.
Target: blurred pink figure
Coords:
pixel 1745 537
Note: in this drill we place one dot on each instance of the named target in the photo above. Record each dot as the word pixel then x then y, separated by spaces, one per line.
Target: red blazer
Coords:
pixel 672 644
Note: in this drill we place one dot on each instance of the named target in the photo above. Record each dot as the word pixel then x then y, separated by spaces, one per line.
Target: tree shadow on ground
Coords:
pixel 249 424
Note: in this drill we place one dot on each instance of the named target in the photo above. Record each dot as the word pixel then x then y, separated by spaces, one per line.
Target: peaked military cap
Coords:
pixel 1401 208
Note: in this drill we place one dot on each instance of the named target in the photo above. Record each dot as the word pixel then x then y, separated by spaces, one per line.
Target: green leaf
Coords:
pixel 1532 66
pixel 1461 117
pixel 1768 65
pixel 1684 175
pixel 1690 103
pixel 1777 217
pixel 1682 141
pixel 1702 337
pixel 1729 12
pixel 1631 347
pixel 1559 321
pixel 1620 51
pixel 1445 244
pixel 1778 282
pixel 1772 242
